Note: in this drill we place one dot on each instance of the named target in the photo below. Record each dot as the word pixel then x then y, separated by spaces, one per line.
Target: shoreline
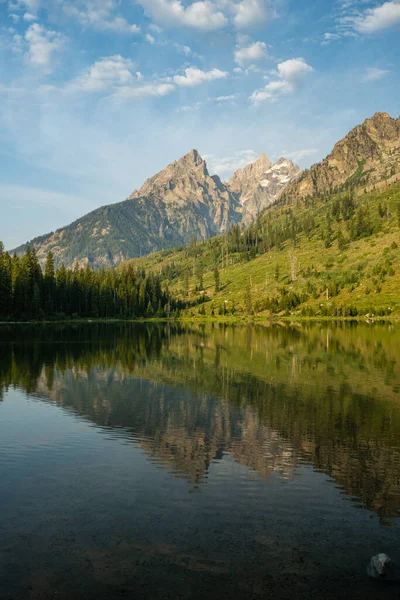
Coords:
pixel 271 320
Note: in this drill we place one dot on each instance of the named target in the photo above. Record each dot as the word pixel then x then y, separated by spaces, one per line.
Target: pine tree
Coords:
pixel 49 285
pixel 277 272
pixel 186 282
pixel 328 236
pixel 36 302
pixel 5 283
pixel 249 304
pixel 216 279
pixel 341 240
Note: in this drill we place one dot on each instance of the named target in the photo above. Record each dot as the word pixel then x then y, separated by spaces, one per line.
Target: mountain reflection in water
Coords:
pixel 271 398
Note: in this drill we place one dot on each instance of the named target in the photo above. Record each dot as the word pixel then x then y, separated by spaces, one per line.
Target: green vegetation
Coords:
pixel 325 257
pixel 28 293
pixel 329 395
pixel 328 256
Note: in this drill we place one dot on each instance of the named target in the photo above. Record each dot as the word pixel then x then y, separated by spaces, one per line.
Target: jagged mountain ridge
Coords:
pixel 188 181
pixel 181 202
pixel 367 155
pixel 259 184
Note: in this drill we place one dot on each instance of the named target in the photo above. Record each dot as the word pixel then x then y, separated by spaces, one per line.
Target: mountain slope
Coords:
pixel 185 183
pixel 337 256
pixel 259 184
pixel 369 154
pixel 178 204
pixel 336 253
pixel 181 202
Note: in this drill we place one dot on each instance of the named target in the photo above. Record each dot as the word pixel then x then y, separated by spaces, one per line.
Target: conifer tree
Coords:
pixel 216 279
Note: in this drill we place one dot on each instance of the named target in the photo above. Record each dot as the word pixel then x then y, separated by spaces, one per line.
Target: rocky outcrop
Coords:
pixel 369 154
pixel 200 204
pixel 259 184
pixel 181 202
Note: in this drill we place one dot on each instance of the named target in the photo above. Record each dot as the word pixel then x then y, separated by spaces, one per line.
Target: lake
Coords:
pixel 170 461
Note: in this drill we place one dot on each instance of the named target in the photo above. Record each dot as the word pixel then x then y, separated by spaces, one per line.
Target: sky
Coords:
pixel 98 95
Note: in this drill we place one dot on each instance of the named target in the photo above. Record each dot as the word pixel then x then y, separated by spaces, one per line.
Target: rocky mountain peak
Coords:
pixel 368 154
pixel 262 161
pixel 260 183
pixel 191 159
pixel 183 201
pixel 284 161
pixel 189 165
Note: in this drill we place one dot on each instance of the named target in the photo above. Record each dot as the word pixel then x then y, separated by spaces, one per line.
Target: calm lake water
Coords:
pixel 168 461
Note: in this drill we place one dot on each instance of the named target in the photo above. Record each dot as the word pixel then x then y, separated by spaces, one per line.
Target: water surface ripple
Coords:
pixel 170 461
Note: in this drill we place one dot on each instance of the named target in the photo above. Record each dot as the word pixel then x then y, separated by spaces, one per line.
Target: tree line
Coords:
pixel 28 292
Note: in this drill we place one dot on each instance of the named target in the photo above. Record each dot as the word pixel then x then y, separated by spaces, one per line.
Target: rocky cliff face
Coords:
pixel 177 204
pixel 370 153
pixel 181 202
pixel 198 203
pixel 259 184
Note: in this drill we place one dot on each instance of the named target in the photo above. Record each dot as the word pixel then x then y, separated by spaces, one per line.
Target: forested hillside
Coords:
pixel 180 202
pixel 329 255
pixel 26 292
pixel 334 256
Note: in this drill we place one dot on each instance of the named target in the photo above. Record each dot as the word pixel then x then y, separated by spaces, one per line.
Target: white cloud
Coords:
pixel 27 5
pixel 294 70
pixel 229 98
pixel 249 54
pixel 150 38
pixel 377 19
pixel 227 165
pixel 29 17
pixel 328 37
pixel 99 15
pixel 298 155
pixel 115 76
pixel 42 45
pixel 291 75
pixel 151 89
pixel 202 15
pixel 16 44
pixel 250 13
pixel 373 74
pixel 155 28
pixel 186 50
pixel 107 73
pixel 14 17
pixel 190 107
pixel 194 76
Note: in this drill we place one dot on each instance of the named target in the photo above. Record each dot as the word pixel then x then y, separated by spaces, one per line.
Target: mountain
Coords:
pixel 259 184
pixel 181 202
pixel 184 201
pixel 177 204
pixel 335 254
pixel 197 203
pixel 369 154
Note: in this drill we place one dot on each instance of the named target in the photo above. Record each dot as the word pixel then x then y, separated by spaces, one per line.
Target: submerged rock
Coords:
pixel 381 566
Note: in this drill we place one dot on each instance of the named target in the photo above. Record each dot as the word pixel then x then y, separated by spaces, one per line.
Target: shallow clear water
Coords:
pixel 158 461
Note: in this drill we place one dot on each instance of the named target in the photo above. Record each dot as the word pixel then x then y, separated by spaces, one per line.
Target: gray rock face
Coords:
pixel 381 566
pixel 259 184
pixel 196 203
pixel 369 154
pixel 181 202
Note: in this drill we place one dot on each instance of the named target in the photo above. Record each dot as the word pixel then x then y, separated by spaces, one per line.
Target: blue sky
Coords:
pixel 97 95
